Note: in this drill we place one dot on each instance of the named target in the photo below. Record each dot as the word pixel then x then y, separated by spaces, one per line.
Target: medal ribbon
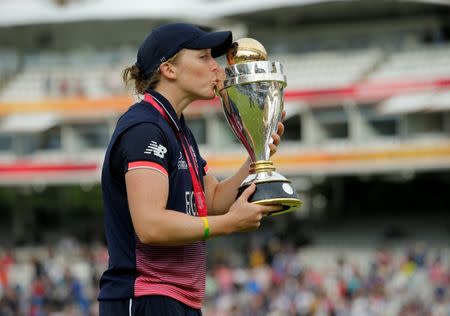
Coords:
pixel 199 195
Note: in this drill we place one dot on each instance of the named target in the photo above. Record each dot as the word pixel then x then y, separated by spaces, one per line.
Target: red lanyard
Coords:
pixel 193 167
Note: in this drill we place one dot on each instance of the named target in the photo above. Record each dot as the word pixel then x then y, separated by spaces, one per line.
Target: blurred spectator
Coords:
pixel 270 280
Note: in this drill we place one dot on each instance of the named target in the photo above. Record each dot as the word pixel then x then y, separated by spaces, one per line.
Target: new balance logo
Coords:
pixel 155 149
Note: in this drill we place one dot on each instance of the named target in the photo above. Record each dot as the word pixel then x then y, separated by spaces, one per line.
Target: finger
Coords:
pixel 248 192
pixel 280 129
pixel 283 115
pixel 267 209
pixel 273 149
pixel 276 139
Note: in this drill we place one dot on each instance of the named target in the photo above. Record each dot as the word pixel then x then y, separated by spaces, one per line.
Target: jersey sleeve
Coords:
pixel 144 146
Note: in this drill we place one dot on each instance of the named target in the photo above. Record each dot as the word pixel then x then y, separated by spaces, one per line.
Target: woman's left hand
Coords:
pixel 277 136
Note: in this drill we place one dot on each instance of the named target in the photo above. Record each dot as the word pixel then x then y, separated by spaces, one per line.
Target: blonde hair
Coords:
pixel 141 83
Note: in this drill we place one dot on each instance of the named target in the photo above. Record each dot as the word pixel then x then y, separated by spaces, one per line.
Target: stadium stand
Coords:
pixel 9 64
pixel 94 74
pixel 53 75
pixel 328 69
pixel 432 61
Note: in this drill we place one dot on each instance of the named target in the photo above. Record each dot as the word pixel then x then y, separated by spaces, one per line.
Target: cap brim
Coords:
pixel 219 42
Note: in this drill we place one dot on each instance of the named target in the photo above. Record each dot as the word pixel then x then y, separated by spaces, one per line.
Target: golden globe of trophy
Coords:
pixel 252 100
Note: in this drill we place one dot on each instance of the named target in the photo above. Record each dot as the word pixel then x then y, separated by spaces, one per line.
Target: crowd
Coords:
pixel 274 280
pixel 412 282
pixel 60 280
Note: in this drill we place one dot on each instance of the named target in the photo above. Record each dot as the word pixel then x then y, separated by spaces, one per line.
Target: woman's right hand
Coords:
pixel 244 216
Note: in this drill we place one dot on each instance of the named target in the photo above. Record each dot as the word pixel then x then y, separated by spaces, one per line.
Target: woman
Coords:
pixel 160 203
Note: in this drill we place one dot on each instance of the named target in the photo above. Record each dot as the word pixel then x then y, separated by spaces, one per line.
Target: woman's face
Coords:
pixel 198 73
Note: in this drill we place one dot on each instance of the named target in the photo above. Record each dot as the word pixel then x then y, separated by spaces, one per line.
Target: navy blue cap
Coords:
pixel 167 40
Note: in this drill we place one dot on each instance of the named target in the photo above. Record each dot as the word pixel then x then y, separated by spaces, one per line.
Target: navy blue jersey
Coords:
pixel 143 138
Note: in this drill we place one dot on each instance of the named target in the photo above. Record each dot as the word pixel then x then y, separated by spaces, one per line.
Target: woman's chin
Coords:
pixel 208 96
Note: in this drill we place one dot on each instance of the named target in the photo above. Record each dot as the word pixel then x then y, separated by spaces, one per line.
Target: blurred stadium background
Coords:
pixel 367 146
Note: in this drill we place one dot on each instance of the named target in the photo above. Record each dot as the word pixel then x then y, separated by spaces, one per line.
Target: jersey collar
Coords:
pixel 168 108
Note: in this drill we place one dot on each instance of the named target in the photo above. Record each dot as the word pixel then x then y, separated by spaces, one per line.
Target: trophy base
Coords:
pixel 278 192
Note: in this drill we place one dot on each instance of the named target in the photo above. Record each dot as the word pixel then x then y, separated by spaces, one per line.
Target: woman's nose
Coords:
pixel 214 65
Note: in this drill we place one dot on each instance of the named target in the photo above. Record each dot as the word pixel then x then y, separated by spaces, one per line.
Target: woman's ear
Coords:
pixel 167 70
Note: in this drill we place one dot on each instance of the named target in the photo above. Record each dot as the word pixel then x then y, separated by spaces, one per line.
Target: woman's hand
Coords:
pixel 244 216
pixel 276 137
